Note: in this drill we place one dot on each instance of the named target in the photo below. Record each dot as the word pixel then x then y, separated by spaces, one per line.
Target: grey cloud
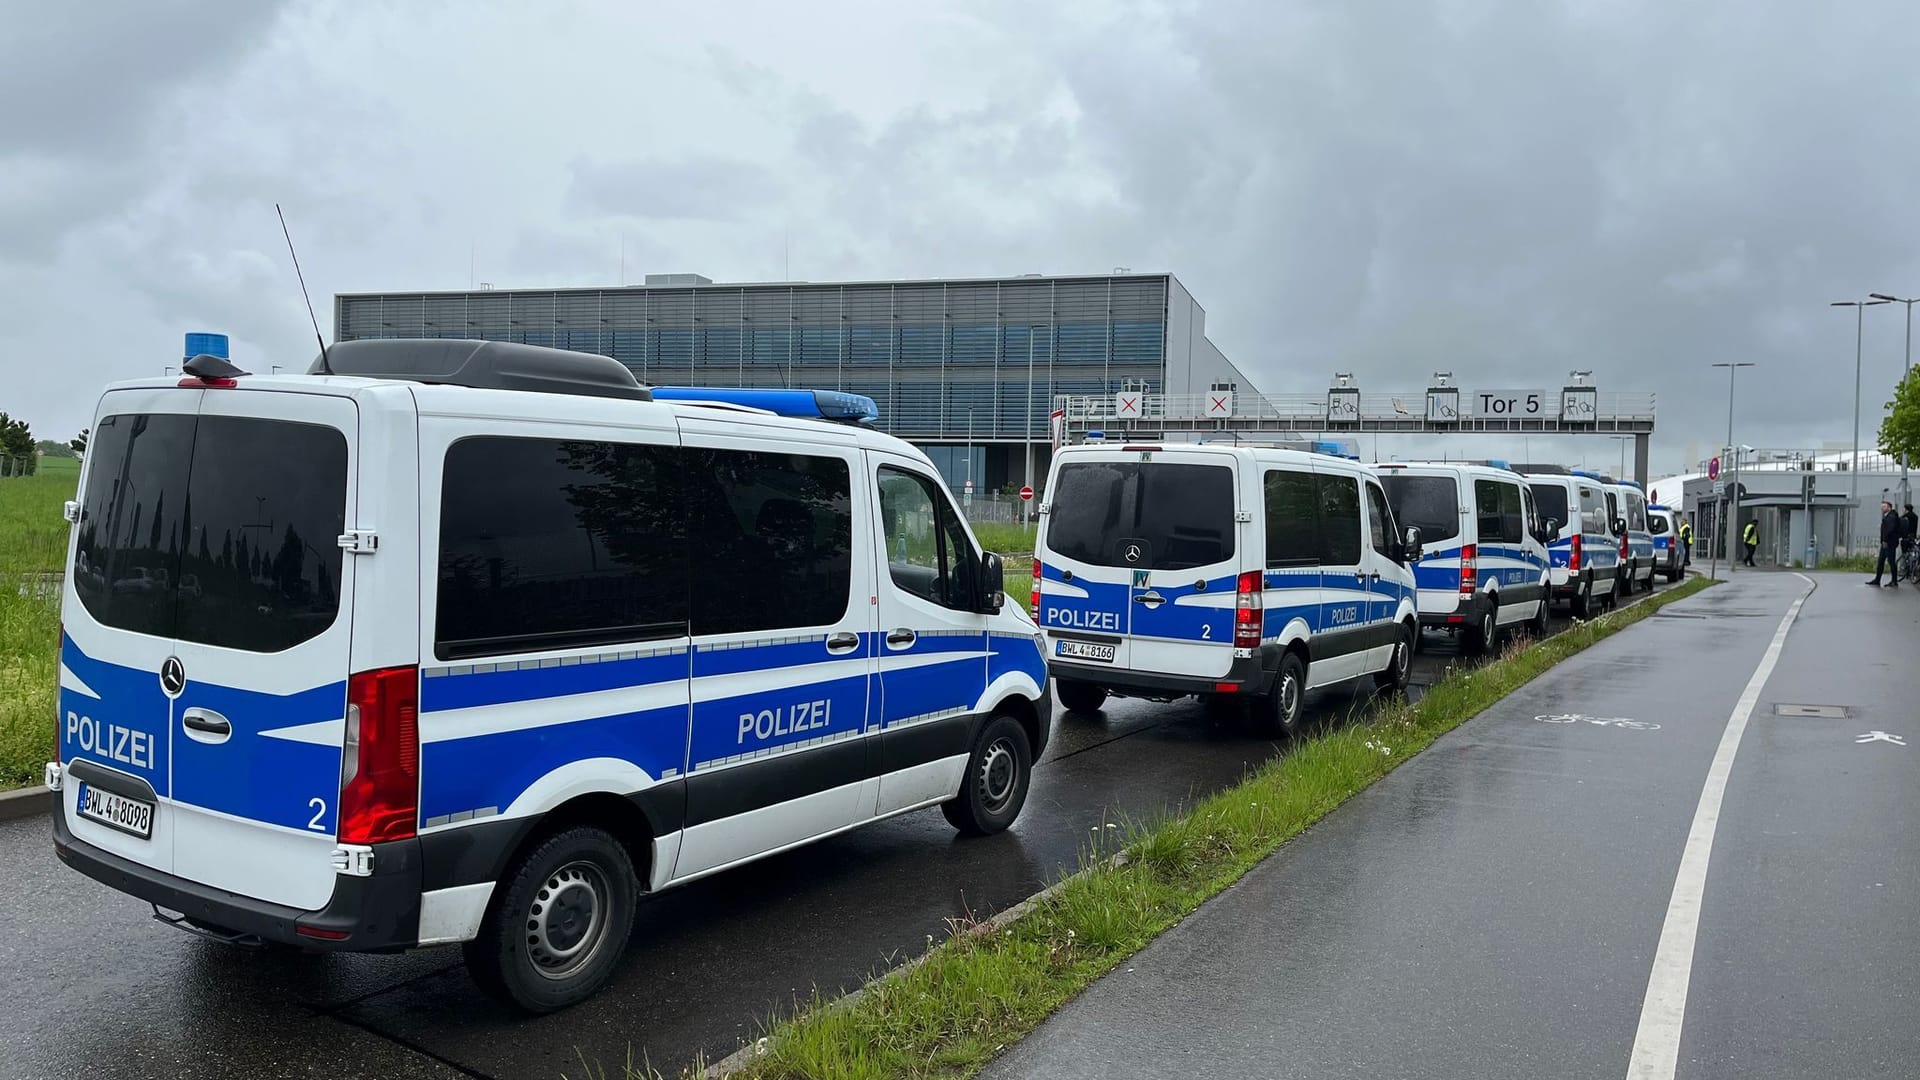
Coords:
pixel 699 188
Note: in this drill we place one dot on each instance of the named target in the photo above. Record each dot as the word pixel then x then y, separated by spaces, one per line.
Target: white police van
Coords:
pixel 1640 553
pixel 488 640
pixel 1665 528
pixel 1584 553
pixel 1483 566
pixel 1233 573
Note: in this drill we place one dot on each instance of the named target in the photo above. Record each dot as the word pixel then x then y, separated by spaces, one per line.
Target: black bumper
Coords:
pixel 377 913
pixel 1247 675
pixel 1466 615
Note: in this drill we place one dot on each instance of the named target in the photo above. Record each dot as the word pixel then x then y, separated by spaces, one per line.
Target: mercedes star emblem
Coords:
pixel 173 677
pixel 1133 552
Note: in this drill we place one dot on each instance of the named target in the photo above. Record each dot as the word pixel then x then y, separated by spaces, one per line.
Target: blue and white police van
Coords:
pixel 1637 538
pixel 1665 529
pixel 1238 574
pixel 1483 566
pixel 487 641
pixel 1584 553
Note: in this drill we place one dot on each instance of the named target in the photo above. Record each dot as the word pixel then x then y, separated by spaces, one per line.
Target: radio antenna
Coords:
pixel 326 366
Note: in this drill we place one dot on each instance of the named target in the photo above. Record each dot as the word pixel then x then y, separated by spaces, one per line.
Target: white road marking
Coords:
pixel 1656 1046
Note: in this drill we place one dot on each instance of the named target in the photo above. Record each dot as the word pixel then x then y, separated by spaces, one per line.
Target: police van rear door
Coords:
pixel 209 619
pixel 1085 584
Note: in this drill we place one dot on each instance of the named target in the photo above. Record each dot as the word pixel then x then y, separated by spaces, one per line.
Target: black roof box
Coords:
pixel 491 365
pixel 1539 470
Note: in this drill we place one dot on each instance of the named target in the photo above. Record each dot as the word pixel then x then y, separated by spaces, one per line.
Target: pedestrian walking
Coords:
pixel 1750 539
pixel 1890 529
pixel 1686 542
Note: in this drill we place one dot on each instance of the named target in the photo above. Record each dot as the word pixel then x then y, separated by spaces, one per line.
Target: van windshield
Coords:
pixel 1180 516
pixel 1428 503
pixel 221 530
pixel 1552 501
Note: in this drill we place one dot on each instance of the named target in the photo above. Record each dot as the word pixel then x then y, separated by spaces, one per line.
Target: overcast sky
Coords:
pixel 1506 190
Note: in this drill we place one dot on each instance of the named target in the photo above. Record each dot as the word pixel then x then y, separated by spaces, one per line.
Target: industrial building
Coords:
pixel 966 369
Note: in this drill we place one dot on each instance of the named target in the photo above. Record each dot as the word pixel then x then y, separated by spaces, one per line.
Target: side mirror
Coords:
pixel 1619 526
pixel 993 585
pixel 1551 532
pixel 1410 548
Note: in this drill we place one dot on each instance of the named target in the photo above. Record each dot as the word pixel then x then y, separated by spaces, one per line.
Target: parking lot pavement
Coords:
pixel 93 986
pixel 1492 909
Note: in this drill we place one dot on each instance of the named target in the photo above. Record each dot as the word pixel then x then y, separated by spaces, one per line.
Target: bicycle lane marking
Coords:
pixel 1656 1044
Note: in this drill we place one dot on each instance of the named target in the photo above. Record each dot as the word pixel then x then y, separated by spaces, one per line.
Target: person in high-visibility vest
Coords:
pixel 1750 539
pixel 1686 542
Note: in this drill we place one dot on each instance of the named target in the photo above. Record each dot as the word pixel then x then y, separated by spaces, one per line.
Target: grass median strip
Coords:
pixel 33 550
pixel 979 991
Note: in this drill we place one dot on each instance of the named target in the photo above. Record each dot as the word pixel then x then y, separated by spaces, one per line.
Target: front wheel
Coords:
pixel 1482 637
pixel 1540 624
pixel 1080 697
pixel 995 786
pixel 559 923
pixel 1399 670
pixel 1582 603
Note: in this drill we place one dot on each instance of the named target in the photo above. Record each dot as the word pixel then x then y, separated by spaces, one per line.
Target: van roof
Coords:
pixel 1463 467
pixel 1245 454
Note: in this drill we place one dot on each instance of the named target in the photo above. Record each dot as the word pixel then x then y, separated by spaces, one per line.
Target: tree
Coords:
pixel 49 448
pixel 1900 431
pixel 79 443
pixel 17 454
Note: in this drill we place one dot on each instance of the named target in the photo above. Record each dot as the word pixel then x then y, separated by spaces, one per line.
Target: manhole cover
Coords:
pixel 1816 712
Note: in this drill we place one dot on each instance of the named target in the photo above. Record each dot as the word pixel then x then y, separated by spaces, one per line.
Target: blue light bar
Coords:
pixel 1585 473
pixel 1499 463
pixel 809 404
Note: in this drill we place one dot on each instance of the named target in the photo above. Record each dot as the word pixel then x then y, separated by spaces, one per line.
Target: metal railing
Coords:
pixel 1310 407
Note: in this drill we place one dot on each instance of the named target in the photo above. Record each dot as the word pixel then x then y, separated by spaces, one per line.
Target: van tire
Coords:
pixel 1080 697
pixel 1399 671
pixel 999 771
pixel 1279 713
pixel 590 871
pixel 1483 635
pixel 1581 605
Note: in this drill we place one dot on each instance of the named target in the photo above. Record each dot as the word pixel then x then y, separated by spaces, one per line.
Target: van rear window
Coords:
pixel 1428 503
pixel 1551 499
pixel 1179 515
pixel 220 530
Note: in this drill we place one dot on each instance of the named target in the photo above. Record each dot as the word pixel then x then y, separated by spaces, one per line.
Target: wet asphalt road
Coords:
pixel 91 985
pixel 1516 879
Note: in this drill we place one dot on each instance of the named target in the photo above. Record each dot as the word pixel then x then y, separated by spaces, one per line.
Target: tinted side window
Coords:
pixel 927 550
pixel 1486 508
pixel 772 540
pixel 1513 514
pixel 1293 519
pixel 1380 520
pixel 1339 518
pixel 547 544
pixel 1593 511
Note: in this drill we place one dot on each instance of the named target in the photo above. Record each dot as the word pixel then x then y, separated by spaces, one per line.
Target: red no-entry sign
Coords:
pixel 1026 493
pixel 1713 469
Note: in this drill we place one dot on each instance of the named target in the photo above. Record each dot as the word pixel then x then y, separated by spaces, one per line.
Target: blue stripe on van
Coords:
pixel 263 779
pixel 492 770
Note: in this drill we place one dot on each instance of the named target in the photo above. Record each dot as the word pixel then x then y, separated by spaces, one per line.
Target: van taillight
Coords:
pixel 1469 569
pixel 380 760
pixel 1573 560
pixel 1035 606
pixel 1247 616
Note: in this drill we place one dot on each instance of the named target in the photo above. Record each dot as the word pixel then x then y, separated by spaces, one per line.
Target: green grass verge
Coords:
pixel 977 993
pixel 1851 564
pixel 1004 539
pixel 33 540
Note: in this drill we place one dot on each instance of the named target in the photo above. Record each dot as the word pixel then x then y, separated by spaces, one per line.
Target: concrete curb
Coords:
pixel 25 802
pixel 752 1051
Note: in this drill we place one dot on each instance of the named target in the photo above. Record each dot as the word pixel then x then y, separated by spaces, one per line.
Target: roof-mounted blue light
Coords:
pixel 808 404
pixel 1587 474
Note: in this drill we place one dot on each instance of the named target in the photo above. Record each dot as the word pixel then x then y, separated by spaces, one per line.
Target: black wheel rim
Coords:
pixel 567 920
pixel 999 775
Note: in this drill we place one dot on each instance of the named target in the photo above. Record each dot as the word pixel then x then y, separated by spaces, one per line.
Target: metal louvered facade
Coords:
pixel 979 361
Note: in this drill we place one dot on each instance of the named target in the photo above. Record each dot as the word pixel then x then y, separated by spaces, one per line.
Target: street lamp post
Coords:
pixel 1729 519
pixel 1853 471
pixel 1906 488
pixel 1027 476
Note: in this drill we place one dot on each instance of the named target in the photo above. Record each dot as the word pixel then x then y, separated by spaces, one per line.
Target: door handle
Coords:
pixel 205 725
pixel 1359 575
pixel 1374 576
pixel 901 637
pixel 1150 598
pixel 845 641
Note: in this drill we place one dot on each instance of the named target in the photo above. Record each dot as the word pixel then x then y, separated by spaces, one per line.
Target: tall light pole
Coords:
pixel 1729 521
pixel 1906 489
pixel 1853 471
pixel 1027 477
